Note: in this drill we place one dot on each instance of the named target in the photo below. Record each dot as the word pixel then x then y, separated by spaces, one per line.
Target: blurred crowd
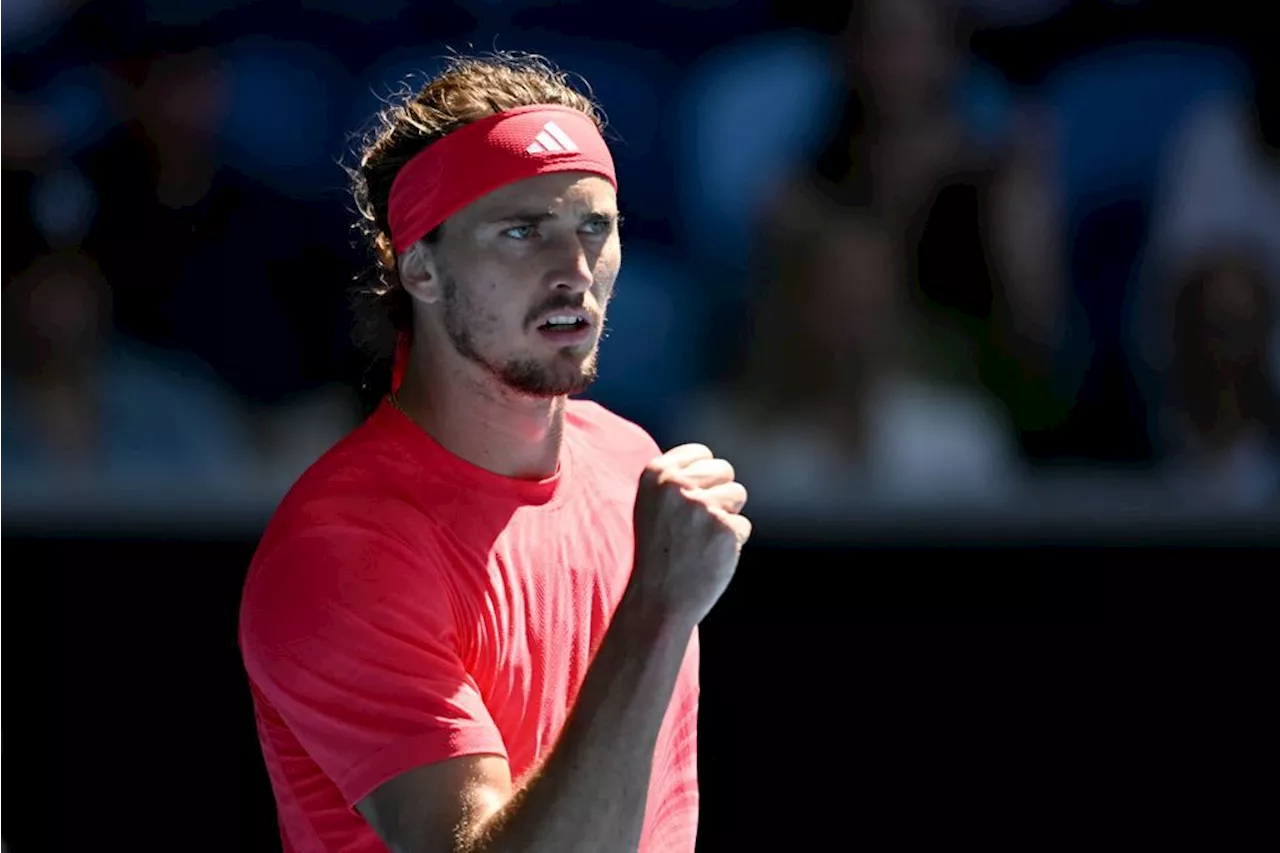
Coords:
pixel 900 252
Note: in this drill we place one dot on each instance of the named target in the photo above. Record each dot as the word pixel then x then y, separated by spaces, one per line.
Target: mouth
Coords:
pixel 565 327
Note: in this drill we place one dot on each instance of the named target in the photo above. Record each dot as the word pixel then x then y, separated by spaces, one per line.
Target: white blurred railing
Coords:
pixel 1085 509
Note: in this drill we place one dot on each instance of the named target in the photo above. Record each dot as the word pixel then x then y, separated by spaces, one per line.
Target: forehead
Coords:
pixel 560 193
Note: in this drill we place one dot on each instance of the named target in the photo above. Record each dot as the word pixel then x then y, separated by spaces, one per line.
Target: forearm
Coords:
pixel 591 791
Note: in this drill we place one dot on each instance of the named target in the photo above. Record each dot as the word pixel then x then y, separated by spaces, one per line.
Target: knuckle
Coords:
pixel 670 480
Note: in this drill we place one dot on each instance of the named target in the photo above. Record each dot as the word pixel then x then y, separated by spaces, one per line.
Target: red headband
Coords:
pixel 480 157
pixel 477 159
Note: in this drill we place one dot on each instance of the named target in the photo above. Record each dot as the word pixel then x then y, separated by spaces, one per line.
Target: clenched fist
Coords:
pixel 689 532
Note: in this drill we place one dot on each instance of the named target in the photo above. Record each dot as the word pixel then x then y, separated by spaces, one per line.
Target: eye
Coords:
pixel 520 232
pixel 599 225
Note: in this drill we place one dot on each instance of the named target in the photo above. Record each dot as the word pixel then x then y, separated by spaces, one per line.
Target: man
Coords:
pixel 472 625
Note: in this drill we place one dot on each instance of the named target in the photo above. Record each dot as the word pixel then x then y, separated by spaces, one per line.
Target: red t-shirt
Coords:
pixel 405 607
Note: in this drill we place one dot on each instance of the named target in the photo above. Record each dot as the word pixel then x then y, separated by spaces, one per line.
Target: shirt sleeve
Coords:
pixel 353 639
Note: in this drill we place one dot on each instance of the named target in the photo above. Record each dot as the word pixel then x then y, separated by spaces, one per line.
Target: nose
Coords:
pixel 574 267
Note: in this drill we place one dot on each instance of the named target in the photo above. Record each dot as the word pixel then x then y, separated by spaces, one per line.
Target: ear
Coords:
pixel 418 268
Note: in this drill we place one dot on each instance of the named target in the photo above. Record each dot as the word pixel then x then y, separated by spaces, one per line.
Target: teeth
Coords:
pixel 562 319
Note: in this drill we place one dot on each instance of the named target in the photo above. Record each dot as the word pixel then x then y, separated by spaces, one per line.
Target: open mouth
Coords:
pixel 566 329
pixel 563 324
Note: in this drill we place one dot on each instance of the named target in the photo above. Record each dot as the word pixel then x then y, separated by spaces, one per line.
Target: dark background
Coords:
pixel 888 674
pixel 838 682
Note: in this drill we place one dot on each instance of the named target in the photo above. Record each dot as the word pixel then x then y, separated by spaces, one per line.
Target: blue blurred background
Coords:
pixel 992 273
pixel 1012 253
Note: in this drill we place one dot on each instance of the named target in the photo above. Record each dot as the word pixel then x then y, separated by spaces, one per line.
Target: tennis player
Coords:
pixel 472 624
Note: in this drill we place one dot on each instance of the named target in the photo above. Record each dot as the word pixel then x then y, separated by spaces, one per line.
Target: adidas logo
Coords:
pixel 551 138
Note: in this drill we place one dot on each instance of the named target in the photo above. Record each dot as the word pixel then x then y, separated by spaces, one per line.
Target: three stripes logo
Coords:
pixel 551 139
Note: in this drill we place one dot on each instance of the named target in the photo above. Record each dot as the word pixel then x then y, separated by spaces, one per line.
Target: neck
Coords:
pixel 476 419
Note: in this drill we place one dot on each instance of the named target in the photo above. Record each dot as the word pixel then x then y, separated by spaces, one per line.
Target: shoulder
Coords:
pixel 606 449
pixel 342 487
pixel 599 430
pixel 328 573
pixel 371 477
pixel 362 501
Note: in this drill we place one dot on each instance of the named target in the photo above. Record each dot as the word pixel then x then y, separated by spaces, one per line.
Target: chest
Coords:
pixel 550 591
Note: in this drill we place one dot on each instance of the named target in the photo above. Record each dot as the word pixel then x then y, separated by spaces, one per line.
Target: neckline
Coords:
pixel 442 463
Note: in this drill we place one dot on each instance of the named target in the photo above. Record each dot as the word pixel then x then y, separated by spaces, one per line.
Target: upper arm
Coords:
pixel 354 641
pixel 428 808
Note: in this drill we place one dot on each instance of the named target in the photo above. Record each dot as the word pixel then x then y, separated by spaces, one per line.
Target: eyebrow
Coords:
pixel 534 217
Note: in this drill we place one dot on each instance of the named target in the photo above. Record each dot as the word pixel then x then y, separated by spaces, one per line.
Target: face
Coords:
pixel 184 97
pixel 67 308
pixel 1233 312
pixel 908 57
pixel 519 281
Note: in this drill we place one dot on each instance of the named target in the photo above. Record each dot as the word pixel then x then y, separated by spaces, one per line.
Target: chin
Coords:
pixel 539 379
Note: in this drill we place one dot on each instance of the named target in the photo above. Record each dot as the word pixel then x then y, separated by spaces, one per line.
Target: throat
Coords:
pixel 518 438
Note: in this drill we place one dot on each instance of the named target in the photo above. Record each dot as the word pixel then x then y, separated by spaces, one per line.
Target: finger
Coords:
pixel 685 455
pixel 739 524
pixel 730 497
pixel 705 473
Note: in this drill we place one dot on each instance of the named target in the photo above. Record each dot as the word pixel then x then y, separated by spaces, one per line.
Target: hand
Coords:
pixel 689 533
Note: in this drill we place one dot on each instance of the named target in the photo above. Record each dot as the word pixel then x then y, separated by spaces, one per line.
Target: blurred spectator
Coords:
pixel 180 103
pixel 1220 191
pixel 838 404
pixel 142 228
pixel 746 116
pixel 1206 322
pixel 964 187
pixel 204 258
pixel 154 173
pixel 1118 109
pixel 88 414
pixel 28 141
pixel 30 133
pixel 1222 422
